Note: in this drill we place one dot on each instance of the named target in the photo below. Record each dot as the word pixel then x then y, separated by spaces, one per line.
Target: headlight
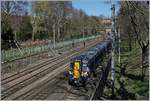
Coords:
pixel 84 74
pixel 70 72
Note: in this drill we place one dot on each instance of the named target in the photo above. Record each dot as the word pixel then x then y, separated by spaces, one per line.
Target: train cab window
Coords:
pixel 84 65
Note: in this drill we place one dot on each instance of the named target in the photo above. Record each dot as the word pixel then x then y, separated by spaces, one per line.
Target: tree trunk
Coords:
pixel 145 55
pixel 135 44
pixel 58 33
pixel 54 34
pixel 130 45
pixel 33 32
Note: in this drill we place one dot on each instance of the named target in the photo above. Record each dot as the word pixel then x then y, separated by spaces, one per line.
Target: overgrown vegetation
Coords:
pixel 129 84
pixel 31 20
pixel 133 22
pixel 132 75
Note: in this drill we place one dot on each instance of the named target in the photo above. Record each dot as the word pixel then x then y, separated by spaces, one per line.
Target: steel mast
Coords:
pixel 113 47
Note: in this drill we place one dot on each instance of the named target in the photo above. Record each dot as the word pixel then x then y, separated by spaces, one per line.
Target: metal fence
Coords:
pixel 14 54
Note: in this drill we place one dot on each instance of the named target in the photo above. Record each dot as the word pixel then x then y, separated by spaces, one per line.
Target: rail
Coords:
pixel 98 91
pixel 41 72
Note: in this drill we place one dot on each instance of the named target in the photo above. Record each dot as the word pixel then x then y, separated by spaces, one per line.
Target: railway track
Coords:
pixel 23 72
pixel 58 89
pixel 34 67
pixel 29 77
pixel 53 81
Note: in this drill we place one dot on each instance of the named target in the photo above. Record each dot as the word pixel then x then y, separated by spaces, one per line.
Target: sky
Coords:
pixel 94 7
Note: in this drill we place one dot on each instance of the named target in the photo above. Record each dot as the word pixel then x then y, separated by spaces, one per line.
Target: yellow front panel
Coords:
pixel 76 70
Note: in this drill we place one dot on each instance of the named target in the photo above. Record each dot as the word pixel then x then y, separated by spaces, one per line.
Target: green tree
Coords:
pixel 25 31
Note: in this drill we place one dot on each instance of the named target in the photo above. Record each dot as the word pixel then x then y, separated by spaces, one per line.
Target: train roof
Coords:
pixel 87 55
pixel 90 54
pixel 76 58
pixel 100 46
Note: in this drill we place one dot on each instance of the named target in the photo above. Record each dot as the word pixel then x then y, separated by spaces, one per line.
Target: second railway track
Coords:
pixel 29 69
pixel 58 89
pixel 29 78
pixel 35 67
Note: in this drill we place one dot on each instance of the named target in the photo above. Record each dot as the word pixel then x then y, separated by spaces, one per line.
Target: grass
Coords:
pixel 128 80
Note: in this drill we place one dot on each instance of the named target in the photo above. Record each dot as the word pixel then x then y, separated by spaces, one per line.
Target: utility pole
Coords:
pixel 113 47
pixel 119 41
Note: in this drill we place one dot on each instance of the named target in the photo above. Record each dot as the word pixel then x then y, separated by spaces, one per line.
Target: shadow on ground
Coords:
pixel 121 91
pixel 124 93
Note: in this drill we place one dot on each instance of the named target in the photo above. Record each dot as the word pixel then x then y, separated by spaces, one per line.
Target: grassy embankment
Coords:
pixel 128 79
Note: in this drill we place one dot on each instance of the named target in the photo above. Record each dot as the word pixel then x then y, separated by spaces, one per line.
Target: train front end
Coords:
pixel 78 72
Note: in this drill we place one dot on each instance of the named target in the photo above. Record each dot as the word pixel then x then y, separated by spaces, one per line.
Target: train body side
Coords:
pixel 82 67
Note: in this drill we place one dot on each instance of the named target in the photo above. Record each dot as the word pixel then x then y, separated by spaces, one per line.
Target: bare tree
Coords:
pixel 14 7
pixel 134 21
pixel 140 18
pixel 10 11
pixel 40 12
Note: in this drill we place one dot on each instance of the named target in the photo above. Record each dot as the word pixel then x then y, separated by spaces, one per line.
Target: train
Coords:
pixel 83 66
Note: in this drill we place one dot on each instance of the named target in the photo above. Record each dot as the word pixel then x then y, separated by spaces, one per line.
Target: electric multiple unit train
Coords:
pixel 83 66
